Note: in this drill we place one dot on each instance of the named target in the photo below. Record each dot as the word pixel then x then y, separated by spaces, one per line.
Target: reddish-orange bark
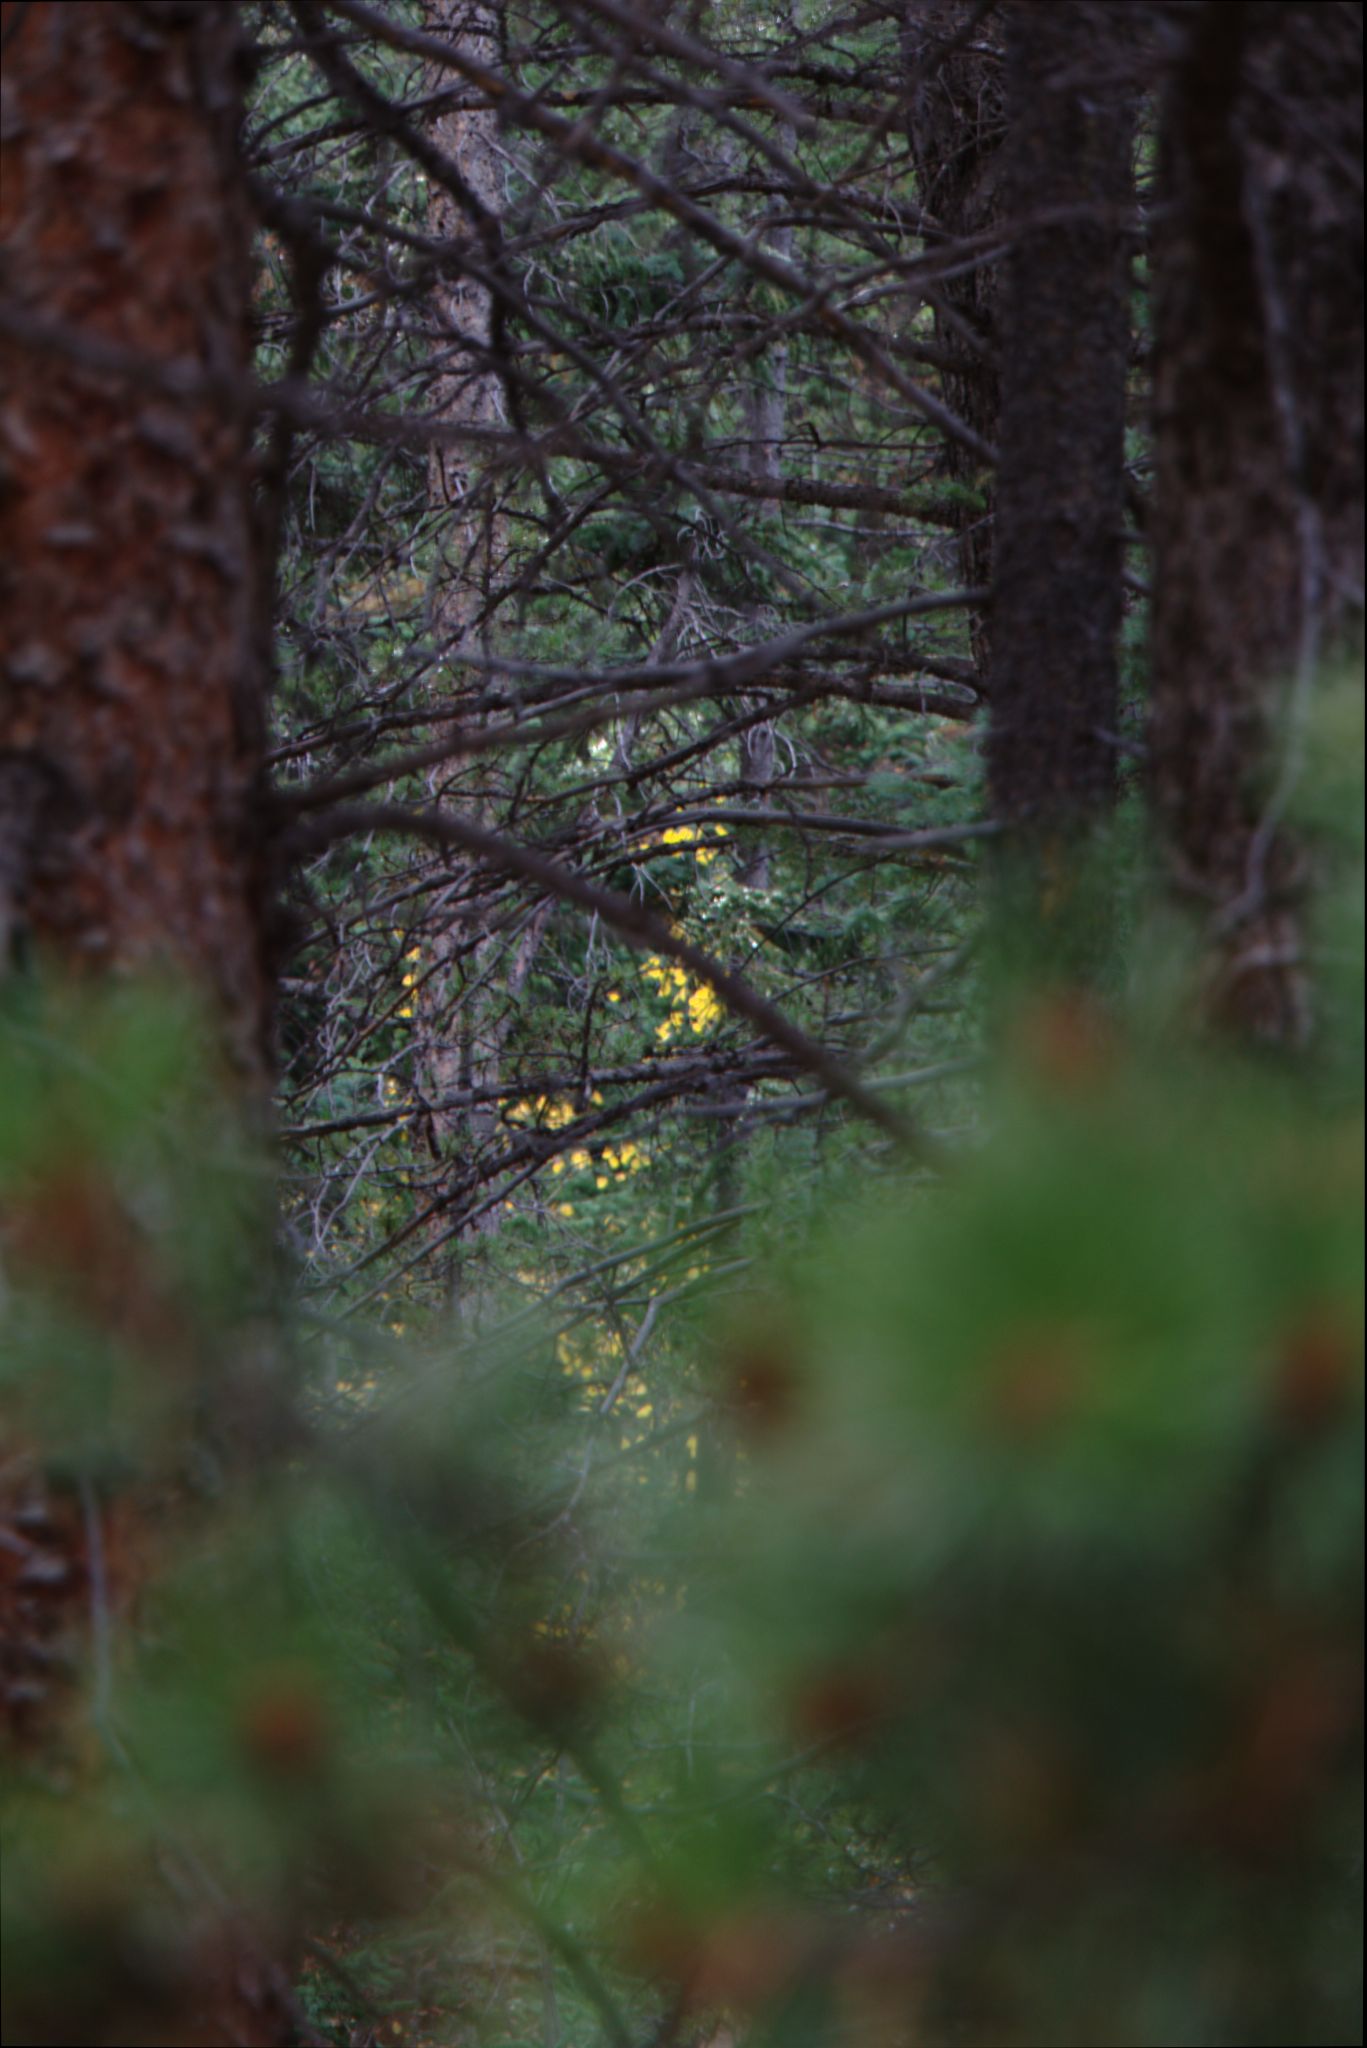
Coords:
pixel 131 839
pixel 130 727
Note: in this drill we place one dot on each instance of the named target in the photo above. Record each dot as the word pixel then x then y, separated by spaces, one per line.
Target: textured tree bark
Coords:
pixel 955 57
pixel 130 719
pixel 466 390
pixel 130 777
pixel 456 1011
pixel 766 423
pixel 469 996
pixel 1057 590
pixel 1258 433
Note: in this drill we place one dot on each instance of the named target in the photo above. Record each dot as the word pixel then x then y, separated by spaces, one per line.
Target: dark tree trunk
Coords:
pixel 130 721
pixel 1057 587
pixel 131 755
pixel 957 129
pixel 1258 430
pixel 463 1014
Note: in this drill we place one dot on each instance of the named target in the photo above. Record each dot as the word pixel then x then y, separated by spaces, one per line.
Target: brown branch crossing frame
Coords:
pixel 639 927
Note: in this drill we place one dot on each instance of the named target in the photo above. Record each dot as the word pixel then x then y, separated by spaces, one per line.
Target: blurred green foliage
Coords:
pixel 856 1610
pixel 952 1636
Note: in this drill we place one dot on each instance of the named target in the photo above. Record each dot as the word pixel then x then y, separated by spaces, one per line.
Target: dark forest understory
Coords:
pixel 681 1023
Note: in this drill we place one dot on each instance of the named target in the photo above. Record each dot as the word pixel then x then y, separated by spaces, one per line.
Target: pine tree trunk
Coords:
pixel 1057 588
pixel 957 131
pixel 766 423
pixel 1258 431
pixel 131 842
pixel 130 719
pixel 464 1010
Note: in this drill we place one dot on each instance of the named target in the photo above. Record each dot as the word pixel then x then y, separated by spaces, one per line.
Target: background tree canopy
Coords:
pixel 680 1097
